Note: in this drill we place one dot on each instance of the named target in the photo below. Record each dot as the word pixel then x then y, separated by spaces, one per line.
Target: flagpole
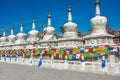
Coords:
pixel 10 57
pixel 82 66
pixel 82 58
pixel 52 60
pixel 104 63
pixel 40 61
pixel 5 57
pixel 16 60
pixel 66 62
pixel 1 58
pixel 31 58
pixel 23 56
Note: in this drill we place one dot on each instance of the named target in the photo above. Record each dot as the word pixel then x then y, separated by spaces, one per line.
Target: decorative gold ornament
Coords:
pixel 33 20
pixel 97 1
pixel 49 15
pixel 69 9
pixel 21 24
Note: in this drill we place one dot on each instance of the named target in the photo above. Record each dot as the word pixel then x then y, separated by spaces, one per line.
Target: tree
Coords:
pixel 61 29
pixel 42 26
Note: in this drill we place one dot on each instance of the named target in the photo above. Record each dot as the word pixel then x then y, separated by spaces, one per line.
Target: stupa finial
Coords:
pixel 49 19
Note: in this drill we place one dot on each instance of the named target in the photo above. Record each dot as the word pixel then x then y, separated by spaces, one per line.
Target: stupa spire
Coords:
pixel 4 32
pixel 12 30
pixel 97 7
pixel 21 27
pixel 49 19
pixel 33 24
pixel 69 14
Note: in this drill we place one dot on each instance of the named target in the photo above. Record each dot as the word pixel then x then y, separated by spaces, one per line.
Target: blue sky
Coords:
pixel 12 12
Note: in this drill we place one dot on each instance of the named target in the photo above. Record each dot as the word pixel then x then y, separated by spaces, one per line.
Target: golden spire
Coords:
pixel 69 9
pixel 21 27
pixel 11 27
pixel 21 24
pixel 49 15
pixel 97 1
pixel 49 19
pixel 33 20
pixel 12 30
pixel 4 29
pixel 4 32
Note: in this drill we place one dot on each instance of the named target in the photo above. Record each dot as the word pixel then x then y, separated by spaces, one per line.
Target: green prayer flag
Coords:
pixel 86 55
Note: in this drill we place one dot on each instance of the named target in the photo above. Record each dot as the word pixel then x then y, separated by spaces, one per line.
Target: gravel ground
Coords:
pixel 22 72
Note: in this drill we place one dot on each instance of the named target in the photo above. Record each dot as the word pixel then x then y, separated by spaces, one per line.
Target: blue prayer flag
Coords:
pixel 0 58
pixel 31 60
pixel 57 55
pixel 82 60
pixel 10 58
pixel 5 58
pixel 103 63
pixel 40 62
pixel 73 56
pixel 82 50
pixel 110 49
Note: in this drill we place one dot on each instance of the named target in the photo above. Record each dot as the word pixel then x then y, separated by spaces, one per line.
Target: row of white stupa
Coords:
pixel 99 35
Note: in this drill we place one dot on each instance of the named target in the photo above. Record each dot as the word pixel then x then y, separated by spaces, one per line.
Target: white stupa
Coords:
pixel 99 35
pixel 49 31
pixel 21 37
pixel 3 39
pixel 33 34
pixel 70 28
pixel 12 37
